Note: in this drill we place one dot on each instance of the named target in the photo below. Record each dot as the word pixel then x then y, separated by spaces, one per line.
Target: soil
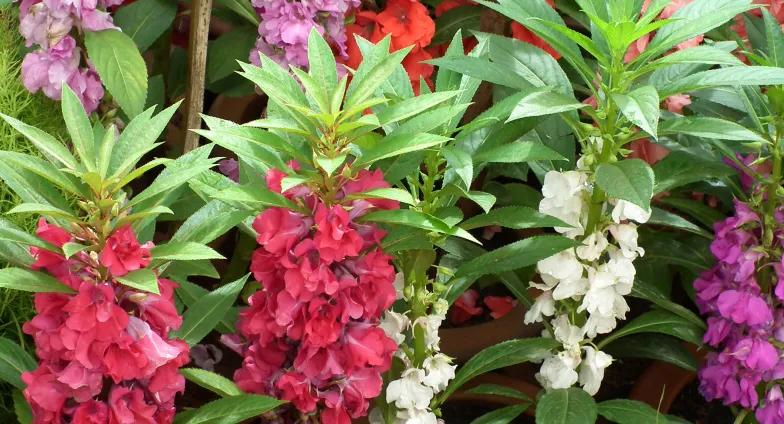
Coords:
pixel 692 406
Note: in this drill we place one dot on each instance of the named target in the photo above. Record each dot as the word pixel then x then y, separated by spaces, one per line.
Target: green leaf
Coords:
pixel 79 127
pixel 23 412
pixel 146 20
pixel 696 18
pixel 775 39
pixel 13 362
pixel 322 63
pixel 653 346
pixel 517 152
pixel 142 279
pixel 138 138
pixel 566 406
pixel 190 293
pixel 49 146
pixel 120 66
pixel 70 249
pixel 646 291
pixel 462 18
pixel 10 232
pixel 330 164
pixel 541 103
pixel 707 127
pixel 533 64
pixel 640 107
pixel 184 251
pixel 680 168
pixel 502 415
pixel 669 219
pixel 256 144
pixel 513 256
pixel 224 52
pixel 658 321
pixel 418 219
pixel 482 69
pixel 45 170
pixel 42 209
pixel 732 76
pixel 624 411
pixel 498 390
pixel 702 54
pixel 407 108
pixel 370 75
pixel 460 163
pixel 397 145
pixel 254 197
pixel 215 383
pixel 501 355
pixel 31 281
pixel 209 222
pixel 230 410
pixel 202 316
pixel 176 174
pixel 387 193
pixel 630 180
pixel 243 9
pixel 516 217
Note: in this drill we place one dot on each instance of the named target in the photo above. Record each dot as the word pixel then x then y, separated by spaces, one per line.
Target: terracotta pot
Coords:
pixel 462 343
pixel 661 383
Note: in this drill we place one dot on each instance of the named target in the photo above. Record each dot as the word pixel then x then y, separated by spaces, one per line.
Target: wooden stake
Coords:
pixel 197 63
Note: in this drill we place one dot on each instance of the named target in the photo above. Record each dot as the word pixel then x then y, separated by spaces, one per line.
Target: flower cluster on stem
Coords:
pixel 583 288
pixel 285 26
pixel 53 28
pixel 105 355
pixel 312 334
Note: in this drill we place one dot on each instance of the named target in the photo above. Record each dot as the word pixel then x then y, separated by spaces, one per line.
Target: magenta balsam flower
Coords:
pixel 311 334
pixel 105 355
pixel 744 319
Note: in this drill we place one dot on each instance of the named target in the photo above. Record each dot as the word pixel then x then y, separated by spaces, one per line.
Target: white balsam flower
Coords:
pixel 569 335
pixel 593 246
pixel 563 198
pixel 439 370
pixel 409 391
pixel 399 284
pixel 415 416
pixel 394 324
pixel 592 369
pixel 626 236
pixel 564 265
pixel 597 324
pixel 544 306
pixel 558 371
pixel 431 324
pixel 624 210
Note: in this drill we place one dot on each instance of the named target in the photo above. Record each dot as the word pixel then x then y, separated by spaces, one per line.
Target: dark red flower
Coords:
pixel 123 253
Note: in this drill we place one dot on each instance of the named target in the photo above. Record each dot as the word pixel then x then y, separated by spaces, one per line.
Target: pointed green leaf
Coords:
pixel 13 362
pixel 566 406
pixel 517 217
pixel 202 316
pixel 658 321
pixel 79 127
pixel 514 256
pixel 541 103
pixel 230 410
pixel 641 108
pixel 120 66
pixel 71 248
pixel 416 219
pixel 517 152
pixel 142 279
pixel 31 281
pixel 184 251
pixel 51 148
pixel 631 180
pixel 215 383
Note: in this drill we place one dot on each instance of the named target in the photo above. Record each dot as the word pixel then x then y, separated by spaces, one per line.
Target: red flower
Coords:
pixel 167 381
pixel 334 238
pixel 279 229
pixel 465 307
pixel 123 253
pixel 296 388
pixel 158 310
pixel 95 310
pixel 45 395
pixel 323 327
pixel 91 412
pixel 128 406
pixel 366 26
pixel 52 233
pixel 409 23
pixel 367 181
pixel 499 305
pixel 416 68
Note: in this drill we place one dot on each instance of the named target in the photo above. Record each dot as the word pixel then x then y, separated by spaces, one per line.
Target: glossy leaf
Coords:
pixel 502 415
pixel 732 76
pixel 681 168
pixel 184 251
pixel 142 279
pixel 641 108
pixel 541 103
pixel 513 256
pixel 498 390
pixel 215 383
pixel 658 321
pixel 145 20
pixel 202 316
pixel 418 219
pixel 517 152
pixel 31 281
pixel 653 346
pixel 631 180
pixel 624 411
pixel 230 410
pixel 566 406
pixel 13 362
pixel 79 127
pixel 516 217
pixel 708 127
pixel 120 66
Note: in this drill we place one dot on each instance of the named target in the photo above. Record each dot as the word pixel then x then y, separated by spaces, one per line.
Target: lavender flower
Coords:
pixel 285 26
pixel 48 24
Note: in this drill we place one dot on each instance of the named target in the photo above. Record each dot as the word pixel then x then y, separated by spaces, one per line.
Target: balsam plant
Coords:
pixel 370 151
pixel 601 192
pixel 108 336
